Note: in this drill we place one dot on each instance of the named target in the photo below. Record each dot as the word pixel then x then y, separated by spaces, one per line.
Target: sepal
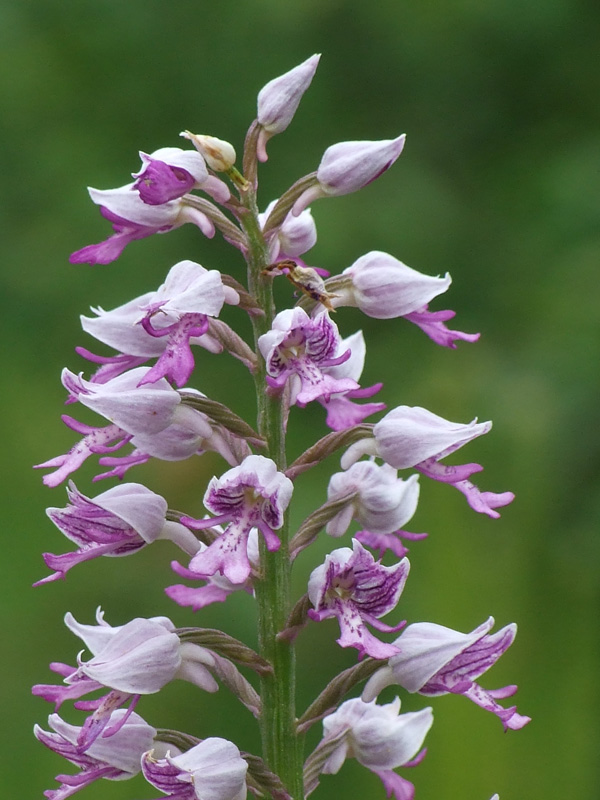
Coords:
pixel 348 166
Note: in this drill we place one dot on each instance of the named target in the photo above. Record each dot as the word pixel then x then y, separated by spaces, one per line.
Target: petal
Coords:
pixel 120 400
pixel 383 287
pixel 408 435
pixel 125 203
pixel 140 658
pixel 122 750
pixel 142 509
pixel 218 770
pixel 432 323
pixel 387 742
pixel 426 648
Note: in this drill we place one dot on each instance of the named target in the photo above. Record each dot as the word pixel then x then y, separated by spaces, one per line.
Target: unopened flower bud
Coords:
pixel 218 154
pixel 295 236
pixel 349 166
pixel 279 99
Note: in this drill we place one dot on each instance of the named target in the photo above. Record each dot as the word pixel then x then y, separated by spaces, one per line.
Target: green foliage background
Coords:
pixel 498 184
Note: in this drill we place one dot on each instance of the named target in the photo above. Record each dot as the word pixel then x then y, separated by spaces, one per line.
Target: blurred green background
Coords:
pixel 498 184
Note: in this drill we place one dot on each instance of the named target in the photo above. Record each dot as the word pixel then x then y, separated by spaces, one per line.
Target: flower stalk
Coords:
pixel 281 747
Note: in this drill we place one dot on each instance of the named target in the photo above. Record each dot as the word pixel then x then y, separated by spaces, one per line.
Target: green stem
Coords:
pixel 282 749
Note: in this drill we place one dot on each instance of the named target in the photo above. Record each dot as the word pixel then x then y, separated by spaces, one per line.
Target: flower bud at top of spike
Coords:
pixel 348 166
pixel 218 154
pixel 279 99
